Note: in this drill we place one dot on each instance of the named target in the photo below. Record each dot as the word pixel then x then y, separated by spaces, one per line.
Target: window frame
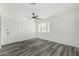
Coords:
pixel 41 27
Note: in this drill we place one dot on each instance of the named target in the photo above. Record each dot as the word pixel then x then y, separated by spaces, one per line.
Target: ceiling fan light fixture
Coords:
pixel 33 19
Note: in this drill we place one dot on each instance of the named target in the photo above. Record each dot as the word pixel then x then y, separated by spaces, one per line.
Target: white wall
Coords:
pixel 0 31
pixel 0 27
pixel 19 28
pixel 26 29
pixel 64 28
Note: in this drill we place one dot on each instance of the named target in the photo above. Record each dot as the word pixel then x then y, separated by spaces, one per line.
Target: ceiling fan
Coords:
pixel 34 17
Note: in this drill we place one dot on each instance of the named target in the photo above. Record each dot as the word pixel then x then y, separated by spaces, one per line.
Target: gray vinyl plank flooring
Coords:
pixel 38 47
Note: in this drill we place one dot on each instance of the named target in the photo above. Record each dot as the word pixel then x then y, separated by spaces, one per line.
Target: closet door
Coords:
pixel 11 31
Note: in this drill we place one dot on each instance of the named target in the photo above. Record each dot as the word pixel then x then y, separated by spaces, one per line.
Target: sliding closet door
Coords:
pixel 11 31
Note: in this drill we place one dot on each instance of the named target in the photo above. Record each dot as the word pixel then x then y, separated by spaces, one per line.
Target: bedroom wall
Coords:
pixel 0 26
pixel 64 28
pixel 13 18
pixel 26 29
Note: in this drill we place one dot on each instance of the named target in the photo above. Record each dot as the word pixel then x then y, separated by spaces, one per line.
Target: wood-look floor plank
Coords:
pixel 58 51
pixel 35 50
pixel 43 49
pixel 38 47
pixel 55 49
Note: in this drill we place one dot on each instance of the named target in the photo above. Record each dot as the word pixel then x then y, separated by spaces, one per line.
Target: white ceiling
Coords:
pixel 44 10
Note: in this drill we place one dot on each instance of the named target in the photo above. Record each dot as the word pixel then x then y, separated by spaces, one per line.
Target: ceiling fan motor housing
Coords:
pixel 34 16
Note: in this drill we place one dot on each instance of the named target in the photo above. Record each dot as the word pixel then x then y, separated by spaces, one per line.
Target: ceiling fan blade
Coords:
pixel 39 18
pixel 28 17
pixel 36 16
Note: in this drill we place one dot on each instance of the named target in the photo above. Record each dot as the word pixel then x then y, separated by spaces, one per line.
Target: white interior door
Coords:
pixel 11 31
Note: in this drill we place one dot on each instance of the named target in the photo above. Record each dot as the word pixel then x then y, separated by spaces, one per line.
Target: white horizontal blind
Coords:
pixel 43 27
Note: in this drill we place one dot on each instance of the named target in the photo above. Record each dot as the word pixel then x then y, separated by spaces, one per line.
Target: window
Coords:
pixel 43 27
